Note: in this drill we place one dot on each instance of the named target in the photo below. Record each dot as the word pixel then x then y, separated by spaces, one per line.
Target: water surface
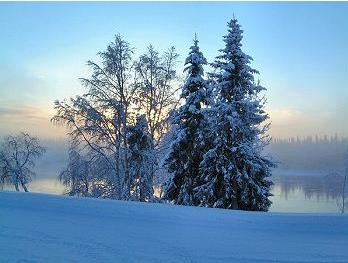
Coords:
pixel 291 193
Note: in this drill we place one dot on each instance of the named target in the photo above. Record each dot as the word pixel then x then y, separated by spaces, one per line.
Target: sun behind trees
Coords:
pixel 129 114
pixel 100 121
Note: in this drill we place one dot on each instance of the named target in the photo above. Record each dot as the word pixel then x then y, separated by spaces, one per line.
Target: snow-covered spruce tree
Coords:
pixel 142 160
pixel 234 172
pixel 188 147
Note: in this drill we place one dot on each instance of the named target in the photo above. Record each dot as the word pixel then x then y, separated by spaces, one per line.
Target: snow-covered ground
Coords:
pixel 48 228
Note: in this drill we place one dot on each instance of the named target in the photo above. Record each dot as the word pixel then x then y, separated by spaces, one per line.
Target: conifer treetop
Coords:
pixel 194 68
pixel 234 74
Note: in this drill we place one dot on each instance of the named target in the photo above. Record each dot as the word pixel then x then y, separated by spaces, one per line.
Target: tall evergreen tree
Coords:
pixel 142 160
pixel 187 149
pixel 234 172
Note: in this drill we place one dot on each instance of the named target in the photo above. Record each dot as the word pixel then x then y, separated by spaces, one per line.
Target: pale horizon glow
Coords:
pixel 299 48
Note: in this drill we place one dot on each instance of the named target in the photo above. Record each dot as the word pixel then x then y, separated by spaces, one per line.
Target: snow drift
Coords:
pixel 47 228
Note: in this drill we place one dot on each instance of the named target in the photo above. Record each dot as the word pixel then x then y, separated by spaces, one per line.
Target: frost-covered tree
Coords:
pixel 189 145
pixel 86 175
pixel 97 120
pixel 76 175
pixel 17 159
pixel 234 173
pixel 118 89
pixel 142 160
pixel 155 95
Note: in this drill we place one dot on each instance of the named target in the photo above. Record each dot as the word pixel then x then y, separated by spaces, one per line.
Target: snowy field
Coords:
pixel 47 228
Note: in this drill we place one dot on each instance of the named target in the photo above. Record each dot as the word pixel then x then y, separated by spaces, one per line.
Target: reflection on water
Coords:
pixel 49 185
pixel 308 194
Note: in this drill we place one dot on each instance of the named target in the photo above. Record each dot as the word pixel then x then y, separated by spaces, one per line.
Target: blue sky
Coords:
pixel 300 49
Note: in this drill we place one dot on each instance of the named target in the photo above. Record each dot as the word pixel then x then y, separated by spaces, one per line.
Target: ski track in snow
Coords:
pixel 48 228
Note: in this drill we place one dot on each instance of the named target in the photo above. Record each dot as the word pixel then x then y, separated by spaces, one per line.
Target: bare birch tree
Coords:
pixel 156 95
pixel 97 120
pixel 17 159
pixel 118 89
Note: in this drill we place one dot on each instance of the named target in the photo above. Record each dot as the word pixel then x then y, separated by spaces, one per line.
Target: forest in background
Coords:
pixel 312 155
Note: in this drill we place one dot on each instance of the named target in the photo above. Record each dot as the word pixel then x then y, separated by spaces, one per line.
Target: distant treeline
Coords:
pixel 318 154
pixel 311 139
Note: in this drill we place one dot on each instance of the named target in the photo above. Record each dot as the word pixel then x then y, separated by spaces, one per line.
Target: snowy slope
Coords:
pixel 47 228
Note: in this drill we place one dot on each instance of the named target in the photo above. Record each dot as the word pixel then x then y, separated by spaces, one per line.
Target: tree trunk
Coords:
pixel 24 187
pixel 234 200
pixel 117 174
pixel 16 186
pixel 15 181
pixel 343 191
